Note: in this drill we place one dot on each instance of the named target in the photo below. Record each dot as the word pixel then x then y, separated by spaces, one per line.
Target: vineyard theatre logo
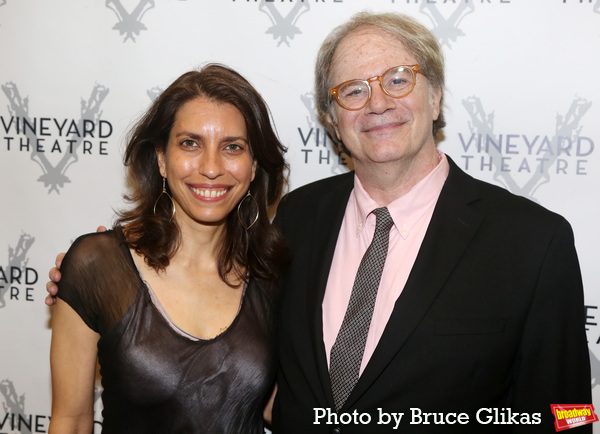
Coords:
pixel 447 29
pixel 595 369
pixel 284 16
pixel 317 147
pixel 130 23
pixel 284 28
pixel 154 93
pixel 595 7
pixel 15 419
pixel 524 162
pixel 591 323
pixel 47 137
pixel 16 278
pixel 447 15
pixel 591 327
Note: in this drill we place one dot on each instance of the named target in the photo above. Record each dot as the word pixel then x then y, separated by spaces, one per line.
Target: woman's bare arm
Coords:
pixel 73 355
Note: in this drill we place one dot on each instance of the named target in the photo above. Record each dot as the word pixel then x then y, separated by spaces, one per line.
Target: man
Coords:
pixel 477 323
pixel 478 314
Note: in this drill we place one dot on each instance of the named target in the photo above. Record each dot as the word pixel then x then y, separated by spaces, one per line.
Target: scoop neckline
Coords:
pixel 162 312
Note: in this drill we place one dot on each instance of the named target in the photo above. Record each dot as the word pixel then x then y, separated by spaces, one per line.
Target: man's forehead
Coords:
pixel 369 51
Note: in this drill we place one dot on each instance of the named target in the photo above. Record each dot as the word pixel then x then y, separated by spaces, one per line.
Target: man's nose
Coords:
pixel 379 101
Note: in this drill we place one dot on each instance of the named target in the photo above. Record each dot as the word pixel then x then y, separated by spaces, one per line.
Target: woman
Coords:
pixel 176 301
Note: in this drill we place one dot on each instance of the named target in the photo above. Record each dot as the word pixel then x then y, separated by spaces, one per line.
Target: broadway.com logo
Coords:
pixel 524 162
pixel 48 136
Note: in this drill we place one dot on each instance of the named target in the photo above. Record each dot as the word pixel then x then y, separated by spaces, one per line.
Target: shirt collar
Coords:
pixel 407 209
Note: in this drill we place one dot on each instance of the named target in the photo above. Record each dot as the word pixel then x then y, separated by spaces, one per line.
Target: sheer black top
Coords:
pixel 154 378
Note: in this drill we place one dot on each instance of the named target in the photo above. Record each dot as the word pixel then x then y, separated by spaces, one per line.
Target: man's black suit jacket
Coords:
pixel 491 317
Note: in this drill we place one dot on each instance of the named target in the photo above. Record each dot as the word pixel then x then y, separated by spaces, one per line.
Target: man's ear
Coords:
pixel 436 98
pixel 334 124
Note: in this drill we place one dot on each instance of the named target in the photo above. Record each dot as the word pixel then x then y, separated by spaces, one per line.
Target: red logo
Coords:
pixel 572 415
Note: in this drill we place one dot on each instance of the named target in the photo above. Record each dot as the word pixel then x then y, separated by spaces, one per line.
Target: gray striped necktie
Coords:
pixel 347 351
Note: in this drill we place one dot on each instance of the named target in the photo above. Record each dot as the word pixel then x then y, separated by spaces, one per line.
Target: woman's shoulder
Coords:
pixel 96 246
pixel 97 254
pixel 99 279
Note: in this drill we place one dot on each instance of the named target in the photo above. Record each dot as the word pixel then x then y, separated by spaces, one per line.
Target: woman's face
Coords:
pixel 207 163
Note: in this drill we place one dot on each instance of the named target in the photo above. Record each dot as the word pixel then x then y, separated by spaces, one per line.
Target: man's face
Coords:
pixel 386 129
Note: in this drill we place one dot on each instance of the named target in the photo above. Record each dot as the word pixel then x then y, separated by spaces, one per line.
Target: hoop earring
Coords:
pixel 248 195
pixel 164 191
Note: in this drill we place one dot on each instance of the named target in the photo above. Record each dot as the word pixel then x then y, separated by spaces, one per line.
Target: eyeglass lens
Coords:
pixel 396 82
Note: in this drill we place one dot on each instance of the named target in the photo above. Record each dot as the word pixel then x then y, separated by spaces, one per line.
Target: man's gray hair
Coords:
pixel 417 39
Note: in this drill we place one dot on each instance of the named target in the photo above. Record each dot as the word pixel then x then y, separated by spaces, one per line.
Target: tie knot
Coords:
pixel 384 221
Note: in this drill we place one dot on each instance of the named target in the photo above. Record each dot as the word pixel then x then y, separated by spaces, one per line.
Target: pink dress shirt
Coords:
pixel 411 214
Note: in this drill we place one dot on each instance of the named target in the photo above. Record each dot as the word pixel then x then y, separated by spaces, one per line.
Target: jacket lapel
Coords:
pixel 329 214
pixel 450 231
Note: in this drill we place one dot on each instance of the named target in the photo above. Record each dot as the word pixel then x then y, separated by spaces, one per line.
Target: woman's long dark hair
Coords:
pixel 258 251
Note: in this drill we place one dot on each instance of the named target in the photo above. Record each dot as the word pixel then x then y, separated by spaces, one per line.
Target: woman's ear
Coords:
pixel 253 170
pixel 162 164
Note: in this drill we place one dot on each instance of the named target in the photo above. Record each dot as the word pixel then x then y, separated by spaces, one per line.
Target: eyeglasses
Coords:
pixel 396 82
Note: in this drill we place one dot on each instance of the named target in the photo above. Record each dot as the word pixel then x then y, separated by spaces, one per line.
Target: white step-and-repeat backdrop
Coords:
pixel 523 111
